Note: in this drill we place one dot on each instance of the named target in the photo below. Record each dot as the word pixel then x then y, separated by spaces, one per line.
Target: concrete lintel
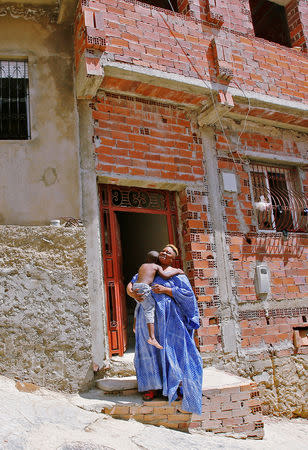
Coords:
pixel 263 100
pixel 67 9
pixel 270 157
pixel 212 114
pixel 141 182
pixel 197 86
pixel 273 123
pixel 155 77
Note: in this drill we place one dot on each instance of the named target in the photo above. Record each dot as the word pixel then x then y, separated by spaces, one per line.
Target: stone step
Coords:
pixel 120 366
pixel 230 405
pixel 116 385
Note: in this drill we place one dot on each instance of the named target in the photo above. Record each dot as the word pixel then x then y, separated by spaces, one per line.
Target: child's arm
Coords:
pixel 168 272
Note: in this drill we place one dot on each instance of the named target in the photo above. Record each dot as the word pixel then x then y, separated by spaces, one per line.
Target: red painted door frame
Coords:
pixel 129 199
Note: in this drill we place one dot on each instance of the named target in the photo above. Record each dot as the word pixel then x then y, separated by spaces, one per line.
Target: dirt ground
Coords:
pixel 46 420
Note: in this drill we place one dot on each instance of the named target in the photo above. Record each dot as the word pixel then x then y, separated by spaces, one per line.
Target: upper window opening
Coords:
pixel 279 204
pixel 14 100
pixel 165 4
pixel 270 21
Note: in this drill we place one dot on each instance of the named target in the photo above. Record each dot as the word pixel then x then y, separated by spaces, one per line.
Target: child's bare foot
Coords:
pixel 154 342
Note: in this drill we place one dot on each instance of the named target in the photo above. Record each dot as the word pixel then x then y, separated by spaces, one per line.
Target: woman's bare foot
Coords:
pixel 153 341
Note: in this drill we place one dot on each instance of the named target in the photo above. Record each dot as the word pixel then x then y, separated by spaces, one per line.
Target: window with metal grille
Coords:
pixel 14 100
pixel 278 202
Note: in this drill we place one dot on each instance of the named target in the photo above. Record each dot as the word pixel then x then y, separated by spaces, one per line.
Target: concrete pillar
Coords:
pixel 228 306
pixel 90 215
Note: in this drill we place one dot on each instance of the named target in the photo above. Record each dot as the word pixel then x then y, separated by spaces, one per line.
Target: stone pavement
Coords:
pixel 46 420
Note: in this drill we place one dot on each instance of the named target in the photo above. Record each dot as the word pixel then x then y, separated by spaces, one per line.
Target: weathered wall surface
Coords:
pixel 40 177
pixel 282 380
pixel 45 325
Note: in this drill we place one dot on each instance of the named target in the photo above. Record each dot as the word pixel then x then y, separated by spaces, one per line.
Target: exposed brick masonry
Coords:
pixel 121 25
pixel 296 20
pixel 234 409
pixel 145 139
pixel 157 143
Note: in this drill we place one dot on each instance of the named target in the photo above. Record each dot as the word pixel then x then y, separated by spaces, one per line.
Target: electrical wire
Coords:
pixel 211 92
pixel 206 85
pixel 243 92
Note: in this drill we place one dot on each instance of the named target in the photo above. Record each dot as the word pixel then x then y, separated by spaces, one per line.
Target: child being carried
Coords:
pixel 146 275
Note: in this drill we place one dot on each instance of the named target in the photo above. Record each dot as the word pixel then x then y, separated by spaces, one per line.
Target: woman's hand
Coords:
pixel 160 289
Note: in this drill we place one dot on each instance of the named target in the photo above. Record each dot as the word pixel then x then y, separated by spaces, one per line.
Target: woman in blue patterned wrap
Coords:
pixel 176 317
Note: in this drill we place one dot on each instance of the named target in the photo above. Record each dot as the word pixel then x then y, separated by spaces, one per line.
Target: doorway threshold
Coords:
pixel 122 366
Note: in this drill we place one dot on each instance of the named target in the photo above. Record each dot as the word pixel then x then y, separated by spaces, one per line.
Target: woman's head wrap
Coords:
pixel 174 248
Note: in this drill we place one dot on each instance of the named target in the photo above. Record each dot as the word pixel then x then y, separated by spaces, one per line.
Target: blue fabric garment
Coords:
pixel 179 361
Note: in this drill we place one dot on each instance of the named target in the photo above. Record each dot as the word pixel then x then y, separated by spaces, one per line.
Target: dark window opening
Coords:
pixel 300 338
pixel 270 21
pixel 14 100
pixel 165 4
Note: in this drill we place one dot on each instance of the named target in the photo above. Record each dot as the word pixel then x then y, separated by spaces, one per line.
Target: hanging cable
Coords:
pixel 243 92
pixel 211 92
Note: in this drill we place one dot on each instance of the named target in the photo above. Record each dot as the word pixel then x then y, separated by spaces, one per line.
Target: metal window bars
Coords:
pixel 14 100
pixel 278 202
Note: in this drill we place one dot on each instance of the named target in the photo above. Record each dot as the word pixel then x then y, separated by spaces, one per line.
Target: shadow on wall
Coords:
pixel 279 246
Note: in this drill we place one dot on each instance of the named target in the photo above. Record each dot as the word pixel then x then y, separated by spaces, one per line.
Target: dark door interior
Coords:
pixel 140 233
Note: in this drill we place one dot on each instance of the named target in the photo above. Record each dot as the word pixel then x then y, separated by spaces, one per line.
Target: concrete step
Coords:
pixel 230 405
pixel 116 385
pixel 119 366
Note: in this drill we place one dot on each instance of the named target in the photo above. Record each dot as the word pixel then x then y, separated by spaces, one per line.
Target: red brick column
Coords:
pixel 297 12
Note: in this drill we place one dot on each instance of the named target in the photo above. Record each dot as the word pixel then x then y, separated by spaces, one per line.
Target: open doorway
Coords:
pixel 140 233
pixel 133 221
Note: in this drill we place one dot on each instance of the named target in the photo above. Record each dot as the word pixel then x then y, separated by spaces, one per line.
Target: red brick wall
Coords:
pixel 235 13
pixel 287 260
pixel 138 34
pixel 145 139
pixel 295 23
pixel 156 142
pixel 275 328
pixel 201 267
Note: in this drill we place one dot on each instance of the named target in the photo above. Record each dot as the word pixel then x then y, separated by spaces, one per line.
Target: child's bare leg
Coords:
pixel 152 340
